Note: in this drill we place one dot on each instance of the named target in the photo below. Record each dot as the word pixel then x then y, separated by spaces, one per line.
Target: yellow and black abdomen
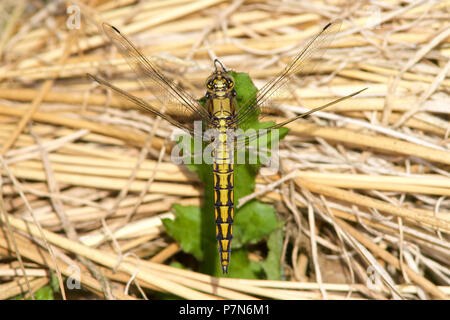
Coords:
pixel 223 172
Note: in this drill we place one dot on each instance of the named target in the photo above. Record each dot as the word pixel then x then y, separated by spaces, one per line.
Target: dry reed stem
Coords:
pixel 376 142
pixel 374 203
pixel 424 283
pixel 106 260
pixel 14 288
pixel 11 24
pixel 31 251
pixel 384 153
pixel 37 101
pixel 47 117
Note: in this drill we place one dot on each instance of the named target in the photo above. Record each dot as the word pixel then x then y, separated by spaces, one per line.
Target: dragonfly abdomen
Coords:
pixel 223 172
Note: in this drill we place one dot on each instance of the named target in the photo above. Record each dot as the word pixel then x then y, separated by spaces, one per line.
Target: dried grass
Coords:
pixel 363 187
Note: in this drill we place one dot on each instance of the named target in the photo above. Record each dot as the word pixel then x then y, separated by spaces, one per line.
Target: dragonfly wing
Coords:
pixel 316 47
pixel 246 140
pixel 141 104
pixel 149 74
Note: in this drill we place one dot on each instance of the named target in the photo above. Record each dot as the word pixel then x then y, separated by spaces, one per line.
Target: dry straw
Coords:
pixel 364 185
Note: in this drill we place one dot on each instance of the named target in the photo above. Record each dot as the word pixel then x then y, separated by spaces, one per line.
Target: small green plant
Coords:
pixel 194 227
pixel 46 292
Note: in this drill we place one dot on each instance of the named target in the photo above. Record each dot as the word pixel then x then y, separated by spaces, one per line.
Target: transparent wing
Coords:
pixel 141 104
pixel 165 90
pixel 242 141
pixel 316 47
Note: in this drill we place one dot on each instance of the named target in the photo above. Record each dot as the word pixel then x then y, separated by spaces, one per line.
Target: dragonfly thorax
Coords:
pixel 221 120
pixel 220 97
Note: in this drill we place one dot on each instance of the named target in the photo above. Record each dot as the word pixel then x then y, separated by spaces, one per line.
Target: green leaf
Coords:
pixel 242 267
pixel 245 90
pixel 254 221
pixel 44 293
pixel 178 265
pixel 54 283
pixel 271 265
pixel 184 229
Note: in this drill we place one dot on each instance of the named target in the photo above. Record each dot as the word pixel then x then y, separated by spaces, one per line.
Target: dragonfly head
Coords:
pixel 219 83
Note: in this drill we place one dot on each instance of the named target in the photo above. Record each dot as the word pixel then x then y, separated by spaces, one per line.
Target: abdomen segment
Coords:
pixel 224 209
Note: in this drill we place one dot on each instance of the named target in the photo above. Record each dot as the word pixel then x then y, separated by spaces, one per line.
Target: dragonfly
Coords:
pixel 219 112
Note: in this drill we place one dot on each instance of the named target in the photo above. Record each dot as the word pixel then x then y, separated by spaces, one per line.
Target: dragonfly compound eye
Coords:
pixel 209 83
